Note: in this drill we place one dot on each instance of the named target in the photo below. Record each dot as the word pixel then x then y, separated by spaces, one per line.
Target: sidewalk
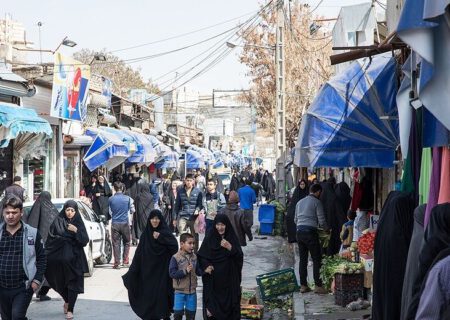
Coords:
pixel 309 306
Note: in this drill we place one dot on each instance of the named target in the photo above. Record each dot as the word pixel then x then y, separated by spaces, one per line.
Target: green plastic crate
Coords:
pixel 277 283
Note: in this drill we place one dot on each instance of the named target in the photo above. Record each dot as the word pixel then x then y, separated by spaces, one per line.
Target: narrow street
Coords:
pixel 106 298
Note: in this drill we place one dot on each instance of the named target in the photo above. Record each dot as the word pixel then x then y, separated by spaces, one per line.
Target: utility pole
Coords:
pixel 39 24
pixel 280 130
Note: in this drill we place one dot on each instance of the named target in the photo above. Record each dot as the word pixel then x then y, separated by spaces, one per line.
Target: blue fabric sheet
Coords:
pixel 344 125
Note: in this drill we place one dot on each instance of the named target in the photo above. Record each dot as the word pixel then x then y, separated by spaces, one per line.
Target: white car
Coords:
pixel 99 248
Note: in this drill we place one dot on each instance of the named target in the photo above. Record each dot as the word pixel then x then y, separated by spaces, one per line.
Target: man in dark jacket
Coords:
pixel 16 189
pixel 22 261
pixel 188 204
pixel 241 226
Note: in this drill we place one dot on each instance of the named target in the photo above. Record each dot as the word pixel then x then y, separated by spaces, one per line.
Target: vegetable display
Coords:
pixel 277 283
pixel 335 264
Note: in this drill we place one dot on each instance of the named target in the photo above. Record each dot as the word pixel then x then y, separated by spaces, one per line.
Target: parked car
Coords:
pixel 99 249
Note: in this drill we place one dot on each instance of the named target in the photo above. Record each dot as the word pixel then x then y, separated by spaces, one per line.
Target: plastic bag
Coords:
pixel 200 223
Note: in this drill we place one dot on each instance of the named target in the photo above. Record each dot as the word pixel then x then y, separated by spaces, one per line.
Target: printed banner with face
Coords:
pixel 70 89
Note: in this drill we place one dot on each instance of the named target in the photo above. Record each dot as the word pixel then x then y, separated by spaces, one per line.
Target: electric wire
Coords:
pixel 181 35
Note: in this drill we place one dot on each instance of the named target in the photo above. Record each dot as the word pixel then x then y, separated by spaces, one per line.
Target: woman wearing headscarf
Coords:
pixel 66 260
pixel 41 217
pixel 342 191
pixel 143 204
pixel 435 300
pixel 411 265
pixel 221 289
pixel 101 193
pixel 236 215
pixel 149 286
pixel 334 214
pixel 390 255
pixel 436 239
pixel 300 192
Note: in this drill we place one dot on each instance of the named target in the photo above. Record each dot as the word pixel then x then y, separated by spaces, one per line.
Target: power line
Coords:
pixel 181 35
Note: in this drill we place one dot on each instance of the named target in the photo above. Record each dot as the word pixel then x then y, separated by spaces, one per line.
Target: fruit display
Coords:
pixel 277 283
pixel 366 242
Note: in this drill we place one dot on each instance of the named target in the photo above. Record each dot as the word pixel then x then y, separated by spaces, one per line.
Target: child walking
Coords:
pixel 347 230
pixel 184 269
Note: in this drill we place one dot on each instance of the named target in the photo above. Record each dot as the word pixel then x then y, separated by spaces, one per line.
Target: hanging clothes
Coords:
pixel 436 239
pixel 300 192
pixel 433 197
pixel 149 286
pixel 411 264
pixel 390 255
pixel 425 176
pixel 221 288
pixel 444 189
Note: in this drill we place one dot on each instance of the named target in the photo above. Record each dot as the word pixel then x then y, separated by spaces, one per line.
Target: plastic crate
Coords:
pixel 349 282
pixel 266 228
pixel 266 213
pixel 252 311
pixel 343 298
pixel 277 283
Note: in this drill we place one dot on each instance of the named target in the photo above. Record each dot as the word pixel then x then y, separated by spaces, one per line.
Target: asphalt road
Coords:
pixel 105 297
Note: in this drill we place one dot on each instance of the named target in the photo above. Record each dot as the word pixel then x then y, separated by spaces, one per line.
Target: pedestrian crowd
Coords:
pixel 44 249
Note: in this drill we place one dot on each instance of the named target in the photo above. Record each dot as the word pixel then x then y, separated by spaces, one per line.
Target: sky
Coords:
pixel 118 24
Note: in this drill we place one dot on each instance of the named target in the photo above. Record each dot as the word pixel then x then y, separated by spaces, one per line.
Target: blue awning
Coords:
pixel 423 26
pixel 352 121
pixel 144 153
pixel 108 149
pixel 19 120
pixel 194 159
pixel 168 160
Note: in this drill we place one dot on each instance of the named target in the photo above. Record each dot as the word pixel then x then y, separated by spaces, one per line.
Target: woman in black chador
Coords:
pixel 300 192
pixel 222 288
pixel 149 286
pixel 100 195
pixel 42 214
pixel 66 260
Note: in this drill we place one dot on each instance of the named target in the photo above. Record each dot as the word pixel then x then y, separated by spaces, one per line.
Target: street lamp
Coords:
pixel 65 42
pixel 98 57
pixel 232 45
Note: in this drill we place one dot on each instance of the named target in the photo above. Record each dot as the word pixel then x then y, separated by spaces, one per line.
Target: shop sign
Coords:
pixel 107 90
pixel 70 89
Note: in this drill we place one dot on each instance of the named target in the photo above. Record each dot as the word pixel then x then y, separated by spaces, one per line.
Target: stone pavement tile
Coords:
pixel 314 306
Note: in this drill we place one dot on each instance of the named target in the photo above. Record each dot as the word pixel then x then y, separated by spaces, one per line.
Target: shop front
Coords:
pixel 27 145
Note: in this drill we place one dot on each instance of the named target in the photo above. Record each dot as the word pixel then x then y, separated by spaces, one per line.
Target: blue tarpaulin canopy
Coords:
pixel 108 149
pixel 145 152
pixel 169 160
pixel 352 121
pixel 194 159
pixel 18 120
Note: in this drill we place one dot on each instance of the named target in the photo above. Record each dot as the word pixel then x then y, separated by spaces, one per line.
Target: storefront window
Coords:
pixel 71 174
pixel 37 177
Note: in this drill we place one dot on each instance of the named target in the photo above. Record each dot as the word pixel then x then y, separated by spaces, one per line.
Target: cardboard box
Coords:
pixel 368 263
pixel 248 297
pixel 252 311
pixel 368 279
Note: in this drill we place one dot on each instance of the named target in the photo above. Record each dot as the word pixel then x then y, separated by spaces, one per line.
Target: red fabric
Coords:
pixel 357 196
pixel 444 190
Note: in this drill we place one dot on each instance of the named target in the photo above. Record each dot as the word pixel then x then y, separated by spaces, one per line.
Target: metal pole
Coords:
pixel 280 130
pixel 40 42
